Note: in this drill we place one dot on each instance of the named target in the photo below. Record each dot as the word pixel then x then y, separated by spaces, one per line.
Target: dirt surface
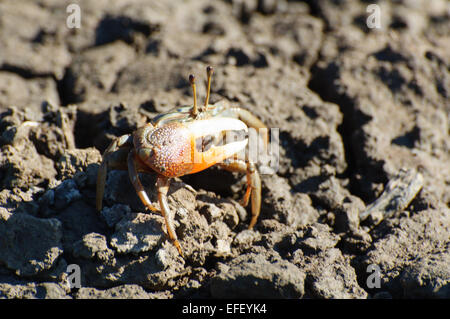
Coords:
pixel 354 106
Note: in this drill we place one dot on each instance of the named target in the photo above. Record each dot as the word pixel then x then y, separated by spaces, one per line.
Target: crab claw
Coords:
pixel 215 140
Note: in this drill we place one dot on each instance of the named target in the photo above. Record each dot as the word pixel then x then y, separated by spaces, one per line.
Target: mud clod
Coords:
pixel 254 276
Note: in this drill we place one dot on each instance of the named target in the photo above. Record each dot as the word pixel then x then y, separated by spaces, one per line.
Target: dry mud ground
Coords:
pixel 354 106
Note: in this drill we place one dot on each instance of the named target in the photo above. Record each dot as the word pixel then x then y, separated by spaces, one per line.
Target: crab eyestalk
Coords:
pixel 192 82
pixel 209 73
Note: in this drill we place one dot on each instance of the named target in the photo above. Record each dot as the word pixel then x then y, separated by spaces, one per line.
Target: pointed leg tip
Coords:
pixel 252 223
pixel 243 203
pixel 178 246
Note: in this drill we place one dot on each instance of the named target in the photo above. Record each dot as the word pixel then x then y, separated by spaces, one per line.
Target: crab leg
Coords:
pixel 134 165
pixel 162 183
pixel 114 157
pixel 134 177
pixel 253 185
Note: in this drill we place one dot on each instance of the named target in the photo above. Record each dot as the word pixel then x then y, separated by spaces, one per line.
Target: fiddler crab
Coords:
pixel 183 141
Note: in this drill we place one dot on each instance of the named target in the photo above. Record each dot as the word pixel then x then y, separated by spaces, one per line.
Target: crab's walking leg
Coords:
pixel 134 177
pixel 253 185
pixel 162 184
pixel 114 157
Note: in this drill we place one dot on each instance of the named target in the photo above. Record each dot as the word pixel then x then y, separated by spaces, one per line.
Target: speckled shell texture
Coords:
pixel 172 149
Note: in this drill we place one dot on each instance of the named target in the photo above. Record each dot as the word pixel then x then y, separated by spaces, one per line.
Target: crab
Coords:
pixel 183 141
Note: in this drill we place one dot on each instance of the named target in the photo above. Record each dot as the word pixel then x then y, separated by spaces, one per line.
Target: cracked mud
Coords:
pixel 354 106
